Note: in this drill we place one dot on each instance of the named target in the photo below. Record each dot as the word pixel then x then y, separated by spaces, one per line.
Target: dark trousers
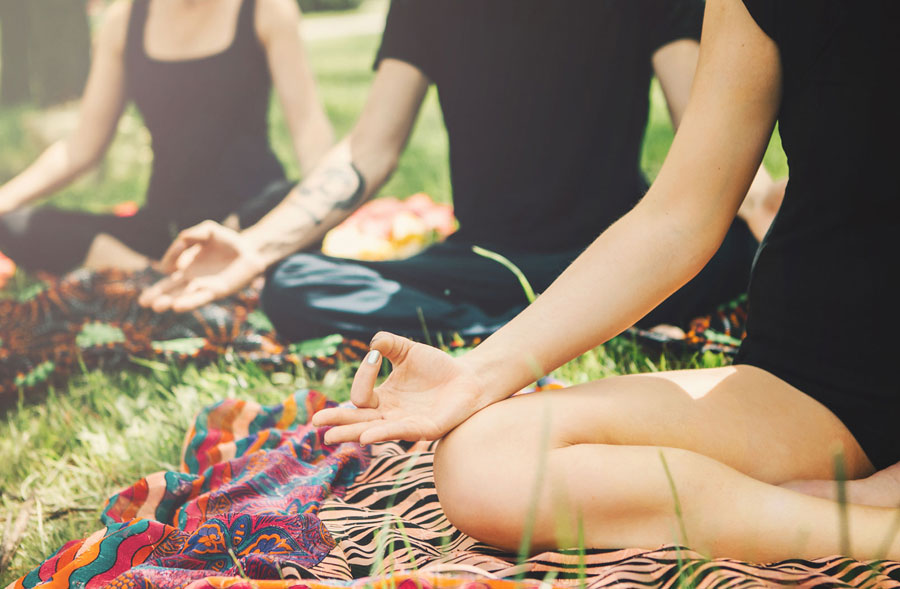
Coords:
pixel 57 241
pixel 449 289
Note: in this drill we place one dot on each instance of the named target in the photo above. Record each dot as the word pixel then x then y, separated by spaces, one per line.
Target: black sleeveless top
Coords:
pixel 208 121
pixel 822 302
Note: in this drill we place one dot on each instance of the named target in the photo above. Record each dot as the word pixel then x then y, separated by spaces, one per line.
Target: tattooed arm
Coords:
pixel 210 261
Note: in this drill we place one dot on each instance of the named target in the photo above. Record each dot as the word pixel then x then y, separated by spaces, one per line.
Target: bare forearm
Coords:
pixel 618 279
pixel 338 185
pixel 314 143
pixel 55 168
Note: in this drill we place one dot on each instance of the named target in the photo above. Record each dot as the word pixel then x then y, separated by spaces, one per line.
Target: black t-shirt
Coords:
pixel 822 306
pixel 545 105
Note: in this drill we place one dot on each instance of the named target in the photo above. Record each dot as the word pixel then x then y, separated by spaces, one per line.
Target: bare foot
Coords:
pixel 882 489
pixel 670 331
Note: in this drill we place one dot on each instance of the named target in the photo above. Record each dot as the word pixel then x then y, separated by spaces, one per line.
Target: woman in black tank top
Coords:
pixel 700 457
pixel 201 75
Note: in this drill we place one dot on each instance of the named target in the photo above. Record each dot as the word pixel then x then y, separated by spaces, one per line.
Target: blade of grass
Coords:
pixel 679 515
pixel 503 261
pixel 840 479
pixel 678 512
pixel 531 516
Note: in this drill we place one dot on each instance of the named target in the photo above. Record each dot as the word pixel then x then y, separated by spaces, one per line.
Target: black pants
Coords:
pixel 449 289
pixel 57 241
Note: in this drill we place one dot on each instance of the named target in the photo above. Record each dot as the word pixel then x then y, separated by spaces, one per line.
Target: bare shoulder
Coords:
pixel 113 31
pixel 276 16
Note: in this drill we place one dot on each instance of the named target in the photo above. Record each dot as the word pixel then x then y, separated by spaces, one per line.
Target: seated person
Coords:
pixel 545 111
pixel 699 456
pixel 200 73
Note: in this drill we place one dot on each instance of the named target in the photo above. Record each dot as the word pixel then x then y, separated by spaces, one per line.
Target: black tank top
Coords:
pixel 822 296
pixel 208 121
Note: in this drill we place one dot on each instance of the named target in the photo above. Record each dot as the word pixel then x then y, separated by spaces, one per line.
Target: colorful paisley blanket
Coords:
pixel 261 503
pixel 243 504
pixel 92 320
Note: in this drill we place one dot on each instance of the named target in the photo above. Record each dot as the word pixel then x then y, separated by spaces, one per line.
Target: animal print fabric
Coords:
pixel 261 503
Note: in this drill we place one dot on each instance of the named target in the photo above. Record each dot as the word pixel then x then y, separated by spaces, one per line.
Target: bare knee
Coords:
pixel 512 468
pixel 484 474
pixel 108 252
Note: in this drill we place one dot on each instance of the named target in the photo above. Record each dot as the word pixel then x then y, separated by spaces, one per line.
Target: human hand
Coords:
pixel 205 263
pixel 427 394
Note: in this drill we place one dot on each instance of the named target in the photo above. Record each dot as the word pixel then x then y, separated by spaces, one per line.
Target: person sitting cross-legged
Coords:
pixel 712 458
pixel 201 75
pixel 545 107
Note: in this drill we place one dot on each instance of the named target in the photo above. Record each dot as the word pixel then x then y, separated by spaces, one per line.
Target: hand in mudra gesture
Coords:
pixel 427 394
pixel 205 263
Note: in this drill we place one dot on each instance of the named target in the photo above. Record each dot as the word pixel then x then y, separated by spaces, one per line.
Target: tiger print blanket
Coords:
pixel 261 503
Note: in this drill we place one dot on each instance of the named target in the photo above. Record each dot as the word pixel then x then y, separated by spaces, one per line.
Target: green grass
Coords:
pixel 379 6
pixel 71 449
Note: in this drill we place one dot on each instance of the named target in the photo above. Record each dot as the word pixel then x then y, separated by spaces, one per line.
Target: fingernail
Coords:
pixel 373 357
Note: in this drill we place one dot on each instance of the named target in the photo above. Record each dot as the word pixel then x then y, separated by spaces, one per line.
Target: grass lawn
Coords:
pixel 68 452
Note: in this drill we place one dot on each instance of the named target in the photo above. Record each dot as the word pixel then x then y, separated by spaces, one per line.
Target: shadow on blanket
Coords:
pixel 261 502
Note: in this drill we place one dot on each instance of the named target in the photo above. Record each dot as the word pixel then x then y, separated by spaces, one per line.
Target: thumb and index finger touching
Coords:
pixel 362 393
pixel 383 346
pixel 188 238
pixel 167 292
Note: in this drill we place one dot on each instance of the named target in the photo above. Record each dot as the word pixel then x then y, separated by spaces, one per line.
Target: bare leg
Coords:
pixel 882 489
pixel 729 437
pixel 108 252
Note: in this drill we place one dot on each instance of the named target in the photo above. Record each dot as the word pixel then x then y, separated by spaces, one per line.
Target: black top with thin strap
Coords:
pixel 208 121
pixel 822 304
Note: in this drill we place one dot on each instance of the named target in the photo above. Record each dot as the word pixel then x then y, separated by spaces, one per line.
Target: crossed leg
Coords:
pixel 108 252
pixel 729 437
pixel 881 489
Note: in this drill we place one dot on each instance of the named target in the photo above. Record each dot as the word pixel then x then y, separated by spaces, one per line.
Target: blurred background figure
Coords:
pixel 200 73
pixel 545 111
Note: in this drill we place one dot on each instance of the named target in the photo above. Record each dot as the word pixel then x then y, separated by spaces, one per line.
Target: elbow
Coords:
pixel 79 159
pixel 84 164
pixel 691 235
pixel 375 162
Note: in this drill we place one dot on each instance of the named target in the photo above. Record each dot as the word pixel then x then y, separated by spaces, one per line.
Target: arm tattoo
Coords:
pixel 336 187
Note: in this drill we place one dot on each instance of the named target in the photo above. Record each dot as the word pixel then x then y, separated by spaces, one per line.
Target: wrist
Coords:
pixel 500 374
pixel 257 249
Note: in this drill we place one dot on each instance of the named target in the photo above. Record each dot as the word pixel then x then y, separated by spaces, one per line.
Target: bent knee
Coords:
pixel 484 475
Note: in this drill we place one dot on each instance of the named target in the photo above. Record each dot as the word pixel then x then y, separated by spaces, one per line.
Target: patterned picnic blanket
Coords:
pixel 720 332
pixel 92 320
pixel 261 503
